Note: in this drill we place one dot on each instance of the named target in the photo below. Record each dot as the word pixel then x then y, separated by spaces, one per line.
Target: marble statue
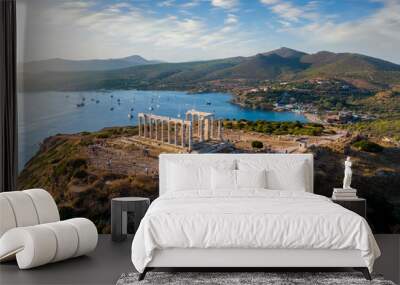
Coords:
pixel 347 173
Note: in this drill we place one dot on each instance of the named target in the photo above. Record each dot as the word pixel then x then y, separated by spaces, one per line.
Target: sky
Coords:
pixel 187 30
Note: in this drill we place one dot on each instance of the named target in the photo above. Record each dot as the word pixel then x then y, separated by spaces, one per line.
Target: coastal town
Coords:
pixel 320 100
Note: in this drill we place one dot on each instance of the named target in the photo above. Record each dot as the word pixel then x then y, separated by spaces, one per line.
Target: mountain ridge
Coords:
pixel 278 65
pixel 72 65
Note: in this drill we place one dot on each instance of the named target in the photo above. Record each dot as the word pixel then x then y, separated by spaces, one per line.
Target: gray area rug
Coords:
pixel 232 278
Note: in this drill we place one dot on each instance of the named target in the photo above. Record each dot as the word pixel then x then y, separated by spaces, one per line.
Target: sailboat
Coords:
pixel 112 103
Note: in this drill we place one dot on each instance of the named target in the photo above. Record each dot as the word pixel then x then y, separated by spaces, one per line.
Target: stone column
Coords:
pixel 190 136
pixel 140 125
pixel 183 134
pixel 169 131
pixel 207 129
pixel 156 128
pixel 201 131
pixel 211 127
pixel 176 134
pixel 198 126
pixel 145 130
pixel 162 130
pixel 219 130
pixel 151 127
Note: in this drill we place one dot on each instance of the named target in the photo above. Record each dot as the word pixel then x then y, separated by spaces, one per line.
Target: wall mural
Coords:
pixel 106 86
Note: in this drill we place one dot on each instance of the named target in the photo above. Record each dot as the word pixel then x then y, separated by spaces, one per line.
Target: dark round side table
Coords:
pixel 120 207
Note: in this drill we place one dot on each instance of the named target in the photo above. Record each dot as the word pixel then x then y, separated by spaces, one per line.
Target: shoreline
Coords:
pixel 312 118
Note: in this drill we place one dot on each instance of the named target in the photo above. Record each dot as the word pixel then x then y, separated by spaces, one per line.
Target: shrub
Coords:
pixel 228 125
pixel 103 136
pixel 80 174
pixel 76 163
pixel 60 169
pixel 257 144
pixel 368 146
pixel 86 142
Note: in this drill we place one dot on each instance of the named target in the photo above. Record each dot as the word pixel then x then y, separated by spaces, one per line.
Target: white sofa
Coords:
pixel 31 230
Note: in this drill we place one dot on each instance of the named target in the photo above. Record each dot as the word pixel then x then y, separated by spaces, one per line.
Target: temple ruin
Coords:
pixel 197 127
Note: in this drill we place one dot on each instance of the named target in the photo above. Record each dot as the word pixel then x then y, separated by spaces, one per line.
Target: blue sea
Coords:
pixel 44 114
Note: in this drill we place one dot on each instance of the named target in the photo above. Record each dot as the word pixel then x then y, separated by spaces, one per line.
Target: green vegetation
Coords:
pixel 386 104
pixel 378 128
pixel 368 146
pixel 257 144
pixel 103 135
pixel 112 132
pixel 276 128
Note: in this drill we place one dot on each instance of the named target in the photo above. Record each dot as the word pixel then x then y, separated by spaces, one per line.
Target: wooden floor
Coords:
pixel 110 260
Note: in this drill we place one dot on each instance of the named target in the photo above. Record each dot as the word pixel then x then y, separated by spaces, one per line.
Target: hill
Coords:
pixel 84 171
pixel 70 168
pixel 352 67
pixel 283 64
pixel 65 65
pixel 262 66
pixel 286 53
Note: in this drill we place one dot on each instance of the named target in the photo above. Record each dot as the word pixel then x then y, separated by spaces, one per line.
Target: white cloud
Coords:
pixel 231 19
pixel 84 29
pixel 290 12
pixel 190 4
pixel 269 2
pixel 377 34
pixel 166 3
pixel 285 24
pixel 77 4
pixel 120 30
pixel 225 4
pixel 287 11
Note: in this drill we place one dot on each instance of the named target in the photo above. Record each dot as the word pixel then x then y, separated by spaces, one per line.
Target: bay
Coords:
pixel 43 114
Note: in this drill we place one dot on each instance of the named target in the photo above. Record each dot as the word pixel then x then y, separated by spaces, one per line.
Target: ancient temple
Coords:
pixel 197 127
